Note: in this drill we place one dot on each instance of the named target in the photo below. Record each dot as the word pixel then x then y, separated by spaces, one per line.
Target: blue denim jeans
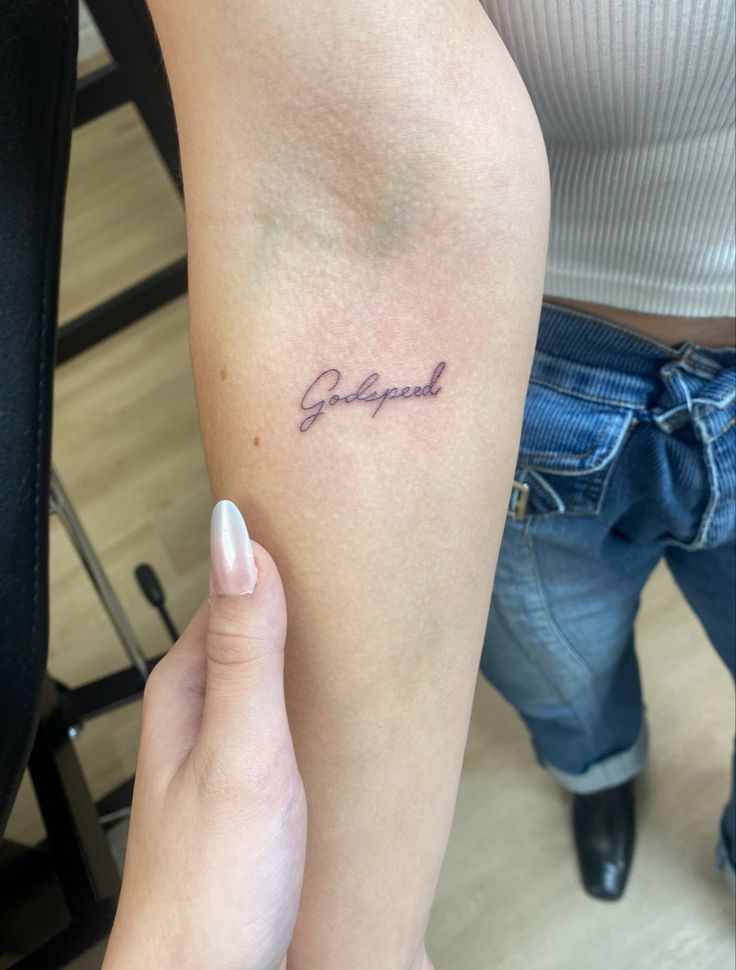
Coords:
pixel 627 456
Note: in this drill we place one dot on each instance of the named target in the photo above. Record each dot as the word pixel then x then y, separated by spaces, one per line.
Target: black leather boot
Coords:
pixel 604 825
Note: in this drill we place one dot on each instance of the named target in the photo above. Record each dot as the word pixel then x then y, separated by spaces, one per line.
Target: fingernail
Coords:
pixel 233 565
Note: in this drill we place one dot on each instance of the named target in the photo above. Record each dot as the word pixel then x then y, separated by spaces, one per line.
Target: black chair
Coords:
pixel 135 74
pixel 58 898
pixel 37 66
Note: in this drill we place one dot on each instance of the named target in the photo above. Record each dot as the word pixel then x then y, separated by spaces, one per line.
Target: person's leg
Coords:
pixel 559 646
pixel 559 640
pixel 581 540
pixel 707 579
pixel 367 203
pixel 559 643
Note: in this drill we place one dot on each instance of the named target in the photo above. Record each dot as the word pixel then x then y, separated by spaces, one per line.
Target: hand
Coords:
pixel 215 857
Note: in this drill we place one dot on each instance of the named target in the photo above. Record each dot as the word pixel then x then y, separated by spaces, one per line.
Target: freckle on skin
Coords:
pixel 223 374
pixel 256 441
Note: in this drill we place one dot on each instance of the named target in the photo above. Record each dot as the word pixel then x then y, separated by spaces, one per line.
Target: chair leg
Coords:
pixel 84 862
pixel 128 32
pixel 72 875
pixel 60 503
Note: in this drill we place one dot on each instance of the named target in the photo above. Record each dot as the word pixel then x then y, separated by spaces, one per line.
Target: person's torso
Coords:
pixel 637 106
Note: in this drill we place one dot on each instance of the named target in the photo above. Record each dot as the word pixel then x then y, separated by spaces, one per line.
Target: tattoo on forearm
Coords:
pixel 323 391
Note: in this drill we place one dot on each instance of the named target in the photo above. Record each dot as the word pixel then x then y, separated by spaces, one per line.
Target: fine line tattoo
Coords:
pixel 316 396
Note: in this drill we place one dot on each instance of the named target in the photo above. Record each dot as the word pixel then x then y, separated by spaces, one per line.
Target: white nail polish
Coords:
pixel 233 564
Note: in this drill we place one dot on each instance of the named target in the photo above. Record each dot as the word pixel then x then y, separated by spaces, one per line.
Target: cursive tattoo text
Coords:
pixel 322 391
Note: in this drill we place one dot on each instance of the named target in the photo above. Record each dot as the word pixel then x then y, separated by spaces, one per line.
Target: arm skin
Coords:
pixel 367 192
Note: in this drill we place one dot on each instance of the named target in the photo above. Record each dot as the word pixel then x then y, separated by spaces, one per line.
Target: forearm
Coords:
pixel 392 221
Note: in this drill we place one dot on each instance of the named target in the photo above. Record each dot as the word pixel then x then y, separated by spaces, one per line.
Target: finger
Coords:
pixel 174 695
pixel 244 693
pixel 188 651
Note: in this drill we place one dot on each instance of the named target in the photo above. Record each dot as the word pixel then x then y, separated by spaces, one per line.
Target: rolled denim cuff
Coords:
pixel 610 771
pixel 725 865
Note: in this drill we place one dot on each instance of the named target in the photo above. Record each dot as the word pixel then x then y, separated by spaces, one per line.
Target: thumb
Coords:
pixel 244 686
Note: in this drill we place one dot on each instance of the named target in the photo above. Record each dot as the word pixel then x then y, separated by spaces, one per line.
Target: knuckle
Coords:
pixel 239 611
pixel 229 643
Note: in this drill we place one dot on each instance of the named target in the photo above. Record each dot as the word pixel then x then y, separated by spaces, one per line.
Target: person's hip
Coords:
pixel 622 428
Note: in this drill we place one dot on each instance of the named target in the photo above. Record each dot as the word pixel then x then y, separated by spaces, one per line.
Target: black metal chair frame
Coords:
pixel 135 74
pixel 57 899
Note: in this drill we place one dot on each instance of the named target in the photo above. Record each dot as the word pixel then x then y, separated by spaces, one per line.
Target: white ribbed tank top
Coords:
pixel 637 104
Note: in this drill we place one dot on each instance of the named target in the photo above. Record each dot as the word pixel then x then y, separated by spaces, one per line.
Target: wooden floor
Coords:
pixel 126 446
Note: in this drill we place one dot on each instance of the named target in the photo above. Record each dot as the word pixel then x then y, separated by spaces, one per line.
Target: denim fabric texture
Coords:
pixel 627 456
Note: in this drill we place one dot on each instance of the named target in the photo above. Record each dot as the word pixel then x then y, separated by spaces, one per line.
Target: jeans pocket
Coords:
pixel 566 454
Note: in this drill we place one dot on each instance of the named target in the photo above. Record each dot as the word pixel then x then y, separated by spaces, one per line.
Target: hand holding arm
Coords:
pixel 215 856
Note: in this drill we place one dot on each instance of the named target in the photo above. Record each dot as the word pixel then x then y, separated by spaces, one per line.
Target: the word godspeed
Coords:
pixel 323 391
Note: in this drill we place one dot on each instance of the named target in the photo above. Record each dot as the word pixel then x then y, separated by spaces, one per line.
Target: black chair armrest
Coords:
pixel 38 43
